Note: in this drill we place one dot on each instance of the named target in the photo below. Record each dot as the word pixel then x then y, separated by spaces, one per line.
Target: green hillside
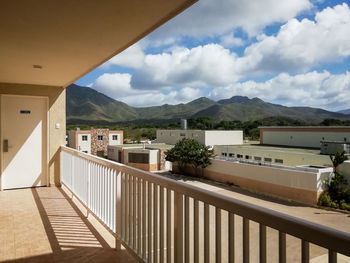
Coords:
pixel 86 105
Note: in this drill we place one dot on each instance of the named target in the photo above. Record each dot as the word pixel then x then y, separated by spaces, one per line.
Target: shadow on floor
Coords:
pixel 71 236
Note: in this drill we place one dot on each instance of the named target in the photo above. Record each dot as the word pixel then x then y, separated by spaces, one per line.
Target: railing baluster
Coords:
pixel 149 215
pixel 305 251
pixel 262 243
pixel 134 196
pixel 127 201
pixel 161 224
pixel 196 231
pixel 168 226
pixel 332 256
pixel 282 247
pixel 178 227
pixel 206 234
pixel 231 238
pixel 131 212
pixel 245 240
pixel 218 235
pixel 144 219
pixel 187 229
pixel 139 216
pixel 155 223
pixel 123 201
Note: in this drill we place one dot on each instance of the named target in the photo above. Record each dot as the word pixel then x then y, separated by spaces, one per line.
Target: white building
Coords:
pixel 303 136
pixel 208 138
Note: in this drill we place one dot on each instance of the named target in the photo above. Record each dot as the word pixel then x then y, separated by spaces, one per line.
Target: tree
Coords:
pixel 189 152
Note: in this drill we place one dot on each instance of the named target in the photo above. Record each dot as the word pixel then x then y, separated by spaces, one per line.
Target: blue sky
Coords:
pixel 295 53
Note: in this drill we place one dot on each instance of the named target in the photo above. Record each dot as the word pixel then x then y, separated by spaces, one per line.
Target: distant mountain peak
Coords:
pixel 235 99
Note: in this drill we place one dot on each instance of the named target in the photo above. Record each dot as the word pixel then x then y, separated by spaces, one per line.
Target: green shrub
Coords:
pixel 344 205
pixel 325 199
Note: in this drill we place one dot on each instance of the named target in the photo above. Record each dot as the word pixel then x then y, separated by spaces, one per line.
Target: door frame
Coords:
pixel 45 142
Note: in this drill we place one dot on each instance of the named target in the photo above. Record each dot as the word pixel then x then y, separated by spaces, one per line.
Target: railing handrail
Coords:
pixel 323 236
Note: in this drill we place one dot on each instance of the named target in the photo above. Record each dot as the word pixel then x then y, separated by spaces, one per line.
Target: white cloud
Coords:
pixel 230 40
pixel 315 89
pixel 215 18
pixel 132 57
pixel 202 66
pixel 113 84
pixel 300 45
pixel 155 98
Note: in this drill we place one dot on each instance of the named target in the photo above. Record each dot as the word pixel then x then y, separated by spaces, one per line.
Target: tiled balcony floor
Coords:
pixel 44 225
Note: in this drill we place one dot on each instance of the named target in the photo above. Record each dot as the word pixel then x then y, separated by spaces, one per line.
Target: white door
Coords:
pixel 23 141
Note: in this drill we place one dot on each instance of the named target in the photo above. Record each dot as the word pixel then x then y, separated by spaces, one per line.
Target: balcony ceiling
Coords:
pixel 67 39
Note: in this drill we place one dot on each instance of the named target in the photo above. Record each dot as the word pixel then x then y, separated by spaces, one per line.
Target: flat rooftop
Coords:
pixel 255 145
pixel 147 146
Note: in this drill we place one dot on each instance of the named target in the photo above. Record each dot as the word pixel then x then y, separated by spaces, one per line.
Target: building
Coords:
pixel 278 155
pixel 331 147
pixel 146 157
pixel 208 138
pixel 94 141
pixel 303 136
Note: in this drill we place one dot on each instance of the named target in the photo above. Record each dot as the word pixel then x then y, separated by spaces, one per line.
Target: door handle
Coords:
pixel 6 146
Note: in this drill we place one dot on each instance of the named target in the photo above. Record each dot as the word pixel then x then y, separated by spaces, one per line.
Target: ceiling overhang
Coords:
pixel 55 42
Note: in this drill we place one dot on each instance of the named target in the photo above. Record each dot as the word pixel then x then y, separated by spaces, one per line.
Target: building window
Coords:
pixel 231 155
pixel 239 156
pixel 85 151
pixel 278 161
pixel 257 158
pixel 84 138
pixel 138 157
pixel 248 157
pixel 114 137
pixel 182 134
pixel 269 160
pixel 100 137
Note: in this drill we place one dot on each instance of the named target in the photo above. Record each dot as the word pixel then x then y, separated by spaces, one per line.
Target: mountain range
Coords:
pixel 86 105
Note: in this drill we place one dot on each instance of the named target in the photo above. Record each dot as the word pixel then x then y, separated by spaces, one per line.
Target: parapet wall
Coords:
pixel 301 186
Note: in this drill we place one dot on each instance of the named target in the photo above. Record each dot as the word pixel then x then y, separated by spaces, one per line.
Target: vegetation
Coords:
pixel 189 152
pixel 337 189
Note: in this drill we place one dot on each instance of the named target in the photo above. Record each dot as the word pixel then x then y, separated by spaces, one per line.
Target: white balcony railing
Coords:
pixel 163 220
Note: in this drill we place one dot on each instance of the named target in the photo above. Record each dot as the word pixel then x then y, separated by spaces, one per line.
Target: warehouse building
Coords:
pixel 208 138
pixel 303 136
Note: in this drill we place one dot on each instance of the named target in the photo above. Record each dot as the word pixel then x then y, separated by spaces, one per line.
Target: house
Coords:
pixel 146 157
pixel 208 138
pixel 303 136
pixel 44 47
pixel 94 141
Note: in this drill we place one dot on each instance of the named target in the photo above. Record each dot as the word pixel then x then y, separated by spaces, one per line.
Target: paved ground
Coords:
pixel 43 225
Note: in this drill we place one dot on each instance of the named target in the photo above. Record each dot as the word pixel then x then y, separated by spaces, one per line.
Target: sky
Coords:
pixel 294 53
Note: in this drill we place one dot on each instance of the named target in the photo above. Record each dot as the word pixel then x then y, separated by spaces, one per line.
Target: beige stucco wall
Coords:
pixel 289 158
pixel 57 114
pixel 301 138
pixel 223 138
pixel 173 136
pixel 209 138
pixel 345 169
pixel 296 185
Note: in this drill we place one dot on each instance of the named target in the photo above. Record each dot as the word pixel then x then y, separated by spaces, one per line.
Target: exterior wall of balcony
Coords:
pixel 57 115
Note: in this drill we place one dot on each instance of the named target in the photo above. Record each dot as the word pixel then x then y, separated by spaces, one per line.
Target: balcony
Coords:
pixel 109 212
